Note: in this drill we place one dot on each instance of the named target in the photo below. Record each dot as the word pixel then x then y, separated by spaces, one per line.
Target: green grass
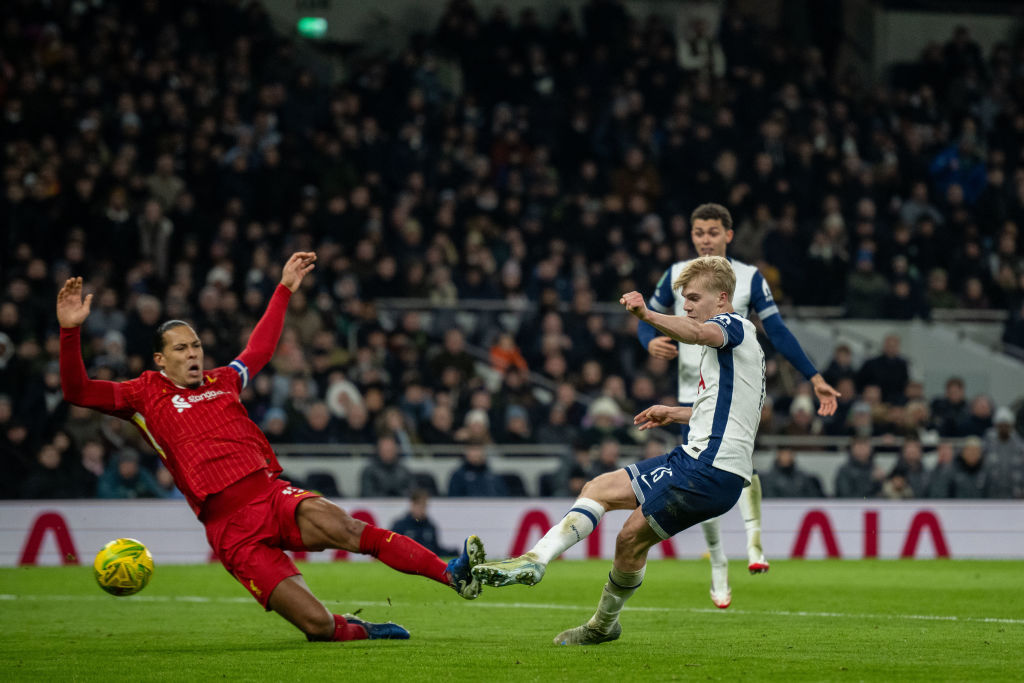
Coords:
pixel 841 621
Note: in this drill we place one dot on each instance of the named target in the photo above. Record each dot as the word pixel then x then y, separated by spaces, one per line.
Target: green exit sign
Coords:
pixel 312 27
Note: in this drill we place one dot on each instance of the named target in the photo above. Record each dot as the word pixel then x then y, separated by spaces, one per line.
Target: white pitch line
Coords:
pixel 533 605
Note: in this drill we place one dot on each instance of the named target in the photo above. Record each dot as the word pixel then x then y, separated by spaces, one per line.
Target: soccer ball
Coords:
pixel 123 567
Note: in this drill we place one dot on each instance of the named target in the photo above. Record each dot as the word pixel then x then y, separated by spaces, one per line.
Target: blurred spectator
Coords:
pixel 895 486
pixel 50 478
pixel 605 420
pixel 971 478
pixel 1002 440
pixel 940 478
pixel 1004 452
pixel 801 418
pixel 125 478
pixel 859 477
pixel 786 480
pixel 888 370
pixel 385 476
pixel 90 468
pixel 476 428
pixel 517 426
pixel 909 468
pixel 505 354
pixel 275 426
pixel 391 422
pixel 836 424
pixel 318 427
pixel 167 485
pixel 961 165
pixel 866 288
pixel 418 526
pixel 938 294
pixel 454 355
pixel 42 406
pixel 556 428
pixel 860 422
pixel 106 314
pixel 609 451
pixel 950 412
pixel 474 477
pixel 917 205
pixel 979 417
pixel 840 366
pixel 770 423
pixel 13 458
pixel 439 429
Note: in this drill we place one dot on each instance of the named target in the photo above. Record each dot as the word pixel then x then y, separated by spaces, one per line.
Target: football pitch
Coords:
pixel 805 620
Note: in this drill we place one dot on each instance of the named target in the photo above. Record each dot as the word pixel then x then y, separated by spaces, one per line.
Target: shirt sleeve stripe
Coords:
pixel 725 332
pixel 768 311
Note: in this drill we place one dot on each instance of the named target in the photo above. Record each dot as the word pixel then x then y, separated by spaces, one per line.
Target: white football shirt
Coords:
pixel 751 291
pixel 730 393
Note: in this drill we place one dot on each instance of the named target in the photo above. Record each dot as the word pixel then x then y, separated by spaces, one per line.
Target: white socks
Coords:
pixel 574 527
pixel 620 586
pixel 750 508
pixel 711 536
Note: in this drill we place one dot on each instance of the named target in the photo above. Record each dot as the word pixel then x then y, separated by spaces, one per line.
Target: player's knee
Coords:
pixel 594 489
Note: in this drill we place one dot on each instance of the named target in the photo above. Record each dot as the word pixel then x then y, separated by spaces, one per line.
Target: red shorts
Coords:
pixel 250 537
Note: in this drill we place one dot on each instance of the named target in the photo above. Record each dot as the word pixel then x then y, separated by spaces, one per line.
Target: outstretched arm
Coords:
pixel 72 310
pixel 263 340
pixel 786 344
pixel 680 328
pixel 790 348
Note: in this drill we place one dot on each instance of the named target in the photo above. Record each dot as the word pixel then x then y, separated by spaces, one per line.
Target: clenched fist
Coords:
pixel 635 304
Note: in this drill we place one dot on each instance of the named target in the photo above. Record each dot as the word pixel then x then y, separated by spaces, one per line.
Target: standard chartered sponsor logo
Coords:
pixel 182 403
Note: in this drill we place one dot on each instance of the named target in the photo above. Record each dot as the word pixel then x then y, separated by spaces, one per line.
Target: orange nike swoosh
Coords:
pixel 390 536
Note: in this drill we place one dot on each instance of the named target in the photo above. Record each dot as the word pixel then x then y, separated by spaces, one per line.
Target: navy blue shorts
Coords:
pixel 676 491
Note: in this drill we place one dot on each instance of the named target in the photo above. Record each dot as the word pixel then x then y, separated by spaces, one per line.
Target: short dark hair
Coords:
pixel 158 336
pixel 712 212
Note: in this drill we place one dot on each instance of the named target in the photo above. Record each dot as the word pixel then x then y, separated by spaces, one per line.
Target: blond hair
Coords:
pixel 715 273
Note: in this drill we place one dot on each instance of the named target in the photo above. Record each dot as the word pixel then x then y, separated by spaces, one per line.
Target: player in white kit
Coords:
pixel 674 491
pixel 711 232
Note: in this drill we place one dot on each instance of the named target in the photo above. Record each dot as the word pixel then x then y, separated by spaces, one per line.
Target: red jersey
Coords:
pixel 203 435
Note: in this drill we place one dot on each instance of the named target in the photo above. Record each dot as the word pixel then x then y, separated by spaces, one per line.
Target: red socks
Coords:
pixel 346 631
pixel 402 553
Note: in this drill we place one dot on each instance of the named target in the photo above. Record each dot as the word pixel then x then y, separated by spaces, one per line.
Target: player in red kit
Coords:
pixel 225 467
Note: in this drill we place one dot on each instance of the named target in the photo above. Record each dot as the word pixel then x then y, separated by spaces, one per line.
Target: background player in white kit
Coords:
pixel 674 491
pixel 711 232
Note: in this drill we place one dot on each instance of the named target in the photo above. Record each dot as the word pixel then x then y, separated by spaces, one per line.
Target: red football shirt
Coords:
pixel 203 435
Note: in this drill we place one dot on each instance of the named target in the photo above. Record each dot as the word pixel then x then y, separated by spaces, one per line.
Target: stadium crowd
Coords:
pixel 172 153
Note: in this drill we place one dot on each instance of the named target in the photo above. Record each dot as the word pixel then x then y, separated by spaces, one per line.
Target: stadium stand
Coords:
pixel 476 201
